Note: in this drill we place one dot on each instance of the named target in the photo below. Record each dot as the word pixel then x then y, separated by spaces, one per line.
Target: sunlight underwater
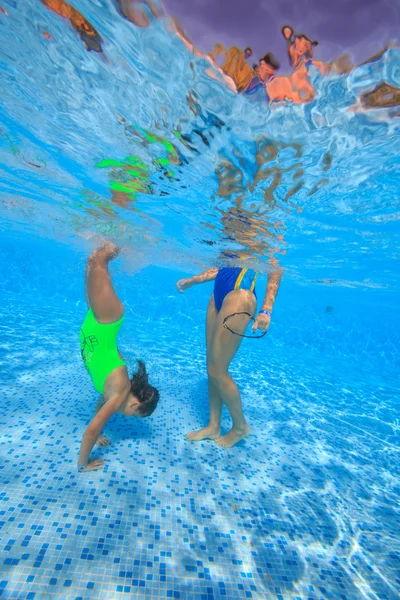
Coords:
pixel 140 144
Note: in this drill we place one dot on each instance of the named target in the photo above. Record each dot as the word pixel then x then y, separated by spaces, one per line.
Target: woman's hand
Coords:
pixel 261 323
pixel 102 440
pixel 94 464
pixel 184 284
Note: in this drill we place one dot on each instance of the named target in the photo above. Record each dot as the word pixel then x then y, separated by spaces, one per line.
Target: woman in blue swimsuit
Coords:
pixel 234 292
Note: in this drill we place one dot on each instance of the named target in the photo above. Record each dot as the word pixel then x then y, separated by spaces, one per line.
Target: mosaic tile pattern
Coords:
pixel 306 507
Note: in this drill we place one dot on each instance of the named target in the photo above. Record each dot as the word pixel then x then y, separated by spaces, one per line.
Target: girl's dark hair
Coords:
pixel 147 395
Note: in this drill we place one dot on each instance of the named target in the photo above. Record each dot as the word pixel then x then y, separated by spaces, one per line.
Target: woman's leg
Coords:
pixel 212 431
pixel 223 348
pixel 100 293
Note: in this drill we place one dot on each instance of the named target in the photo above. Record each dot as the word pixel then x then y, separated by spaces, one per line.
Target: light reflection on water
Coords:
pixel 133 140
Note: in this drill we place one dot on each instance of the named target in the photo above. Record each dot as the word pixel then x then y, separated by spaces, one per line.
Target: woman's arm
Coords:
pixel 274 280
pixel 207 275
pixel 263 318
pixel 94 429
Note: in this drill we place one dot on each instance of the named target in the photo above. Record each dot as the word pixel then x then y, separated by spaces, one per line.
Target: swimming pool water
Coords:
pixel 308 505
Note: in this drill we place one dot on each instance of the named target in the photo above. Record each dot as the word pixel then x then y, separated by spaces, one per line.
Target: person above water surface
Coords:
pixel 103 361
pixel 234 298
pixel 300 47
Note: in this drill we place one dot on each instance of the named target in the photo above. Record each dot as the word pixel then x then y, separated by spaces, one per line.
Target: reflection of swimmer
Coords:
pixel 131 176
pixel 239 178
pixel 87 33
pixel 128 178
pixel 234 292
pixel 253 233
pixel 103 361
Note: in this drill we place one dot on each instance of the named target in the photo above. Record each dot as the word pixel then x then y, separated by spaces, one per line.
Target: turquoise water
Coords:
pixel 137 144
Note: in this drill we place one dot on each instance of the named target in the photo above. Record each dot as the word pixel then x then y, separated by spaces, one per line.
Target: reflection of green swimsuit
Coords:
pixel 99 349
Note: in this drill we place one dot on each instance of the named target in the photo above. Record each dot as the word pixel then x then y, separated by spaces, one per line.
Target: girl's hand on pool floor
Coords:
pixel 103 441
pixel 261 323
pixel 94 464
pixel 182 285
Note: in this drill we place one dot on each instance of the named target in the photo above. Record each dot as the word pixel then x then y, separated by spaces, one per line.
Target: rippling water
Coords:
pixel 134 141
pixel 139 144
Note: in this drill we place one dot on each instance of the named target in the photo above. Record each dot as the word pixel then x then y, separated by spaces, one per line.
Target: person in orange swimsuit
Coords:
pixel 300 46
pixel 235 66
pixel 298 88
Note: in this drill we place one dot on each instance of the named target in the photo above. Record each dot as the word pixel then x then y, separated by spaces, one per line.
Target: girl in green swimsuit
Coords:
pixel 104 363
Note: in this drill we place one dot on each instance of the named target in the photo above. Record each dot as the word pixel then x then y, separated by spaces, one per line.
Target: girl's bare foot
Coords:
pixel 233 436
pixel 207 433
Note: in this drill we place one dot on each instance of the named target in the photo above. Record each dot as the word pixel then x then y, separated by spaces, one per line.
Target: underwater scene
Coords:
pixel 199 299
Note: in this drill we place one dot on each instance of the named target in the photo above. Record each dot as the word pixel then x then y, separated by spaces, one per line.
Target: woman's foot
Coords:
pixel 104 253
pixel 233 436
pixel 110 250
pixel 207 433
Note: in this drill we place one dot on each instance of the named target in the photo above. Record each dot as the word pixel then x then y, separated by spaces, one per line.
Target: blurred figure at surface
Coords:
pixel 234 65
pixel 248 52
pixel 246 79
pixel 233 298
pixel 266 70
pixel 295 88
pixel 86 31
pixel 131 176
pixel 300 47
pixel 301 57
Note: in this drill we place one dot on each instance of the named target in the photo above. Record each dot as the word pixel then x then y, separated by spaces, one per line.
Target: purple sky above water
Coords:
pixel 359 26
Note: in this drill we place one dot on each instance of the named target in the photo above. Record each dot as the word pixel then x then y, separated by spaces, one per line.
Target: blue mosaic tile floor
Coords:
pixel 306 507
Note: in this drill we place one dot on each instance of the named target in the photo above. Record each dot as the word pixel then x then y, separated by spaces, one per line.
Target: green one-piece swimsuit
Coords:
pixel 99 349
